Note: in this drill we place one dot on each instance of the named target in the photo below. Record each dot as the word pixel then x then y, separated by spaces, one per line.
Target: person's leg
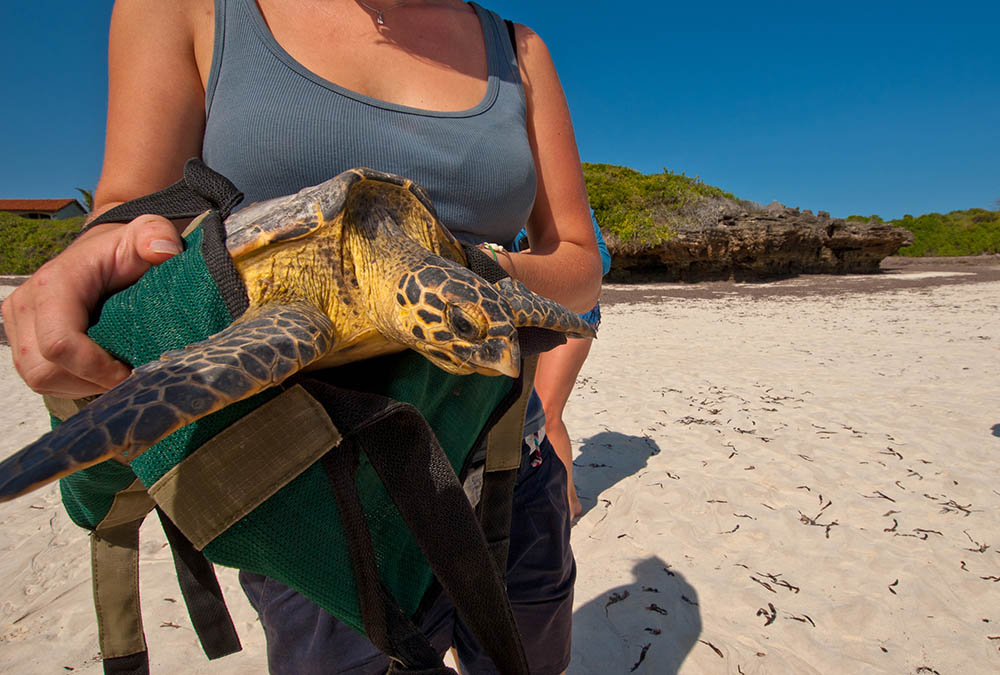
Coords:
pixel 304 639
pixel 540 571
pixel 554 382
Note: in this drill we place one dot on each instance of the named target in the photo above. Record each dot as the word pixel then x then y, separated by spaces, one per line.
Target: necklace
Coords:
pixel 378 12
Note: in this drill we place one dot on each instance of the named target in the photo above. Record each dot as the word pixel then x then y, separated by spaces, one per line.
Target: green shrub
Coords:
pixel 874 218
pixel 969 232
pixel 640 210
pixel 636 207
pixel 26 243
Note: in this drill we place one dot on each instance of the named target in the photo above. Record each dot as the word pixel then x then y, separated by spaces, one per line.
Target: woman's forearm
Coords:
pixel 570 274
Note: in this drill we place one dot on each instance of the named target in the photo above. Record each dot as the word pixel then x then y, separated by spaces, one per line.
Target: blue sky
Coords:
pixel 863 107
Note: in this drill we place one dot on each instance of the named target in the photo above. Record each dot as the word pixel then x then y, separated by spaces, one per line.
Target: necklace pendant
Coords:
pixel 378 18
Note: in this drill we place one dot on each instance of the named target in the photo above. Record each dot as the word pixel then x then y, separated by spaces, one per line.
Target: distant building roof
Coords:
pixel 36 205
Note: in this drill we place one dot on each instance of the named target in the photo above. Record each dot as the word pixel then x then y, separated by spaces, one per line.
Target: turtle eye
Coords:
pixel 465 325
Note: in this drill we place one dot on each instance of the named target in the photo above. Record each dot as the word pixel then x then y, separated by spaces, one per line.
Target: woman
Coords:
pixel 556 375
pixel 280 94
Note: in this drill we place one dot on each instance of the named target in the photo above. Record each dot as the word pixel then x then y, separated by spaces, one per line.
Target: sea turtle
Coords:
pixel 349 269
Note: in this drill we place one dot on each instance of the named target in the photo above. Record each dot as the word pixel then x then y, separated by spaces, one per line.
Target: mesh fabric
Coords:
pixel 295 536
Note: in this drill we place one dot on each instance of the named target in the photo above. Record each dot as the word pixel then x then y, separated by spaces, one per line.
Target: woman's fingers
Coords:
pixel 47 317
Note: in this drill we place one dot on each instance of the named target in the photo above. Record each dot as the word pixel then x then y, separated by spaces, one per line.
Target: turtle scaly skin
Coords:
pixel 163 396
pixel 352 268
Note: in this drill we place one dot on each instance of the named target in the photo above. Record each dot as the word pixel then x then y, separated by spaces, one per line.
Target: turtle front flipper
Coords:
pixel 531 309
pixel 259 350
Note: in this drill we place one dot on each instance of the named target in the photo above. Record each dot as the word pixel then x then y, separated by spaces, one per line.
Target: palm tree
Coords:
pixel 88 199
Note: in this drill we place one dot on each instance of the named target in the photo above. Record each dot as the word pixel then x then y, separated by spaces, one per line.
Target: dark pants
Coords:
pixel 303 639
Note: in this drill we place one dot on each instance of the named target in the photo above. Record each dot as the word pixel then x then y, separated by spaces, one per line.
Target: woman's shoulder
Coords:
pixel 527 37
pixel 175 12
pixel 176 27
pixel 532 53
pixel 158 20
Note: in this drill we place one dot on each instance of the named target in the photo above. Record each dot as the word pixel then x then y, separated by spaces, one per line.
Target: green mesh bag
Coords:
pixel 360 517
pixel 296 536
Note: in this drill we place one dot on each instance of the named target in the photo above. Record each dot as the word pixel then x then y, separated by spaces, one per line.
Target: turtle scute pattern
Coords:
pixel 460 320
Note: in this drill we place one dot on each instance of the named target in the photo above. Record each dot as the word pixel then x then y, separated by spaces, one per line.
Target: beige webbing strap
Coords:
pixel 244 465
pixel 503 444
pixel 114 559
pixel 64 408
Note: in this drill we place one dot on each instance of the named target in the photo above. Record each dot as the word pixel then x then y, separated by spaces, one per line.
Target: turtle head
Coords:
pixel 455 319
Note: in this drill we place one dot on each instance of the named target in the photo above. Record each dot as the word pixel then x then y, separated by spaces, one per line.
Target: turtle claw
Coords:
pixel 536 311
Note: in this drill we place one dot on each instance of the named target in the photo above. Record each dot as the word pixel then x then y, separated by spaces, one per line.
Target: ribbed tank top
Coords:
pixel 274 127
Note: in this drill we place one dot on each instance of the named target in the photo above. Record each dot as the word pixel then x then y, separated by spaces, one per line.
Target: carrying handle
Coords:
pixel 200 190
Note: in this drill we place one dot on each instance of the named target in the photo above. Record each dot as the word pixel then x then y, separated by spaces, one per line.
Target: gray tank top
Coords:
pixel 273 127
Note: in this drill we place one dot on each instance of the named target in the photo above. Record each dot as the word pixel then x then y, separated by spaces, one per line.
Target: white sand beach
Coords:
pixel 801 477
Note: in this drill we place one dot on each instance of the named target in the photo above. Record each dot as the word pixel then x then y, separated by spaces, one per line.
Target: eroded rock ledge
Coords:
pixel 734 241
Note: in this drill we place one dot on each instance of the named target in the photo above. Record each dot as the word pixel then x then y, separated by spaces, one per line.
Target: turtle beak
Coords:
pixel 497 356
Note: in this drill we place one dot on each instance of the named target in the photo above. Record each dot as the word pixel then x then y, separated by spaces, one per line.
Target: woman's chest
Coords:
pixel 430 56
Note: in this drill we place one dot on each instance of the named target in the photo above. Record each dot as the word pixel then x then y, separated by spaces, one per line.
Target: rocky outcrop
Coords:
pixel 741 242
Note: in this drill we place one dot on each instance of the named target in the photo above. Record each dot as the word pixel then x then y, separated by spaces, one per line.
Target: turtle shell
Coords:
pixel 301 214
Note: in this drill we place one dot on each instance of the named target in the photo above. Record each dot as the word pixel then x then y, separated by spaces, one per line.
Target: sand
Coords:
pixel 795 477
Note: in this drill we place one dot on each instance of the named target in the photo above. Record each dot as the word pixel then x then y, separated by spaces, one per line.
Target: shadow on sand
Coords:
pixel 605 459
pixel 647 626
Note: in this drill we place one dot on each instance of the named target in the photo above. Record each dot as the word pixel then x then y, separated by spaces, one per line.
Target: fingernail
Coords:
pixel 164 246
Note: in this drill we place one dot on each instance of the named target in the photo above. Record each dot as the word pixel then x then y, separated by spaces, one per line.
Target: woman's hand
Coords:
pixel 156 118
pixel 47 317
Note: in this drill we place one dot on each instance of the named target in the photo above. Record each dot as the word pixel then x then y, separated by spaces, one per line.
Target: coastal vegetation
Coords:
pixel 640 210
pixel 26 243
pixel 969 232
pixel 636 211
pixel 643 210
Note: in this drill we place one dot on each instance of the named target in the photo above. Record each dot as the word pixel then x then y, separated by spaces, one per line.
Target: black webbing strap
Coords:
pixel 458 551
pixel 417 475
pixel 133 664
pixel 199 190
pixel 202 594
pixel 483 265
pixel 220 265
pixel 386 626
pixel 494 510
